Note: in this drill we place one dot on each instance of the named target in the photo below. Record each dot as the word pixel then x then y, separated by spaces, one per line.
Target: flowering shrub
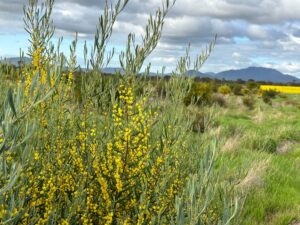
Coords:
pixel 112 157
pixel 224 89
pixel 200 93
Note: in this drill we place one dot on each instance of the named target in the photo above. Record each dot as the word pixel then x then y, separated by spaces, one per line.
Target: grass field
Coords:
pixel 262 153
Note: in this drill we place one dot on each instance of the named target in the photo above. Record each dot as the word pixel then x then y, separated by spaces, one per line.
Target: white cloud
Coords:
pixel 126 27
pixel 295 39
pixel 236 55
pixel 285 67
pixel 163 60
pixel 257 32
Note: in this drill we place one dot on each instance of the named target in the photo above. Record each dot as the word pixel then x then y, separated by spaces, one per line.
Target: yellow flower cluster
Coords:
pixel 2 212
pixel 39 63
pixel 123 160
pixel 36 58
pixel 116 175
pixel 28 80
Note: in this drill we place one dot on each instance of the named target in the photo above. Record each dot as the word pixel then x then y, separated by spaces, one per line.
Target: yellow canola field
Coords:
pixel 282 89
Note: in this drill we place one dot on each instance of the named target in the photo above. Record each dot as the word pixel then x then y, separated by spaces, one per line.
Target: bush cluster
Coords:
pixel 224 89
pixel 200 93
pixel 249 101
pixel 268 95
pixel 83 148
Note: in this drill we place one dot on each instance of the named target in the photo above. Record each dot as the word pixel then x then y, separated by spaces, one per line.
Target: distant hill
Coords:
pixel 257 74
pixel 198 74
pixel 250 73
pixel 210 73
pixel 112 70
pixel 15 60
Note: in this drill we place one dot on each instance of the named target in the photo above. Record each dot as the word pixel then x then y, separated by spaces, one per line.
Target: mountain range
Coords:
pixel 15 60
pixel 250 73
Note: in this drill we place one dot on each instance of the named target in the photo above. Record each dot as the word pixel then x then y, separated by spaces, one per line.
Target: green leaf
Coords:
pixel 48 76
pixel 34 84
pixel 11 102
pixel 13 178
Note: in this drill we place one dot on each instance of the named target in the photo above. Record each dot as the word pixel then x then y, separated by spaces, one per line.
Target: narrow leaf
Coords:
pixel 11 102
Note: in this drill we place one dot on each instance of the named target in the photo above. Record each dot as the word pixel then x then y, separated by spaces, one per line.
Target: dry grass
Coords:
pixel 231 144
pixel 259 116
pixel 286 147
pixel 295 223
pixel 254 175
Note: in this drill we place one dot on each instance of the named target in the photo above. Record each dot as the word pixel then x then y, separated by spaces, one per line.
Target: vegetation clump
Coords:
pixel 237 90
pixel 224 89
pixel 85 148
pixel 200 93
pixel 268 95
pixel 249 101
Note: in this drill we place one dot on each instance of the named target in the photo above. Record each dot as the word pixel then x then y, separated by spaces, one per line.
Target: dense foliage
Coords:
pixel 83 148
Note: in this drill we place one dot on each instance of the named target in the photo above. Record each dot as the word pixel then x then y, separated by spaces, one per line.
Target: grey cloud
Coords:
pixel 188 18
pixel 88 3
pixel 75 18
pixel 12 6
pixel 271 27
pixel 296 33
pixel 245 2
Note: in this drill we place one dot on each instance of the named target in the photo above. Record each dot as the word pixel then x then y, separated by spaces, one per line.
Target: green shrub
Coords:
pixel 160 88
pixel 281 95
pixel 270 93
pixel 249 102
pixel 270 145
pixel 252 85
pixel 219 100
pixel 214 86
pixel 237 89
pixel 264 144
pixel 261 143
pixel 198 124
pixel 245 91
pixel 266 99
pixel 224 89
pixel 200 93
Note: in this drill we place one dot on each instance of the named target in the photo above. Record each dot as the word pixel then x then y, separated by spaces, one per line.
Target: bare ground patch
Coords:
pixel 286 147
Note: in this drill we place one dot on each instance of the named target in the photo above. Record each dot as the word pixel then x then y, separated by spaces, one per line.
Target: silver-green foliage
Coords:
pixel 196 203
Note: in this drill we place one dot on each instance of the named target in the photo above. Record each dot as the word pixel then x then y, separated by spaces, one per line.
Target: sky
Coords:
pixel 250 32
